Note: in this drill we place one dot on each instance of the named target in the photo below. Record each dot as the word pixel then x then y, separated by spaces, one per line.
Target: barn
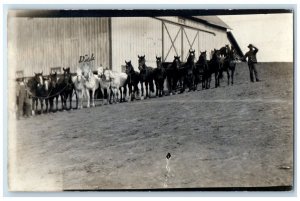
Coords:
pixel 49 43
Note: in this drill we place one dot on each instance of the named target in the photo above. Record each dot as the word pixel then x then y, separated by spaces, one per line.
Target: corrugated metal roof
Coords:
pixel 213 20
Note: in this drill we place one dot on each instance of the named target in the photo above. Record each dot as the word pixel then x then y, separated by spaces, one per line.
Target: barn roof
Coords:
pixel 211 20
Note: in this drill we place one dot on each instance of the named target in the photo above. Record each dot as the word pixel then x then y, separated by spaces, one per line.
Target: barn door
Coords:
pixel 190 42
pixel 172 37
pixel 179 39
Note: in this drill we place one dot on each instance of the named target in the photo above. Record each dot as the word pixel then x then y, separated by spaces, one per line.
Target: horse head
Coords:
pixel 202 56
pixel 142 62
pixel 129 67
pixel 176 62
pixel 39 79
pixel 100 71
pixel 106 75
pixel 53 79
pixel 191 56
pixel 158 62
pixel 67 74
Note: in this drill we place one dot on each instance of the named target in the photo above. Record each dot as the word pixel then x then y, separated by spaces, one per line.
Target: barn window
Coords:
pixel 19 73
pixel 181 20
pixel 56 69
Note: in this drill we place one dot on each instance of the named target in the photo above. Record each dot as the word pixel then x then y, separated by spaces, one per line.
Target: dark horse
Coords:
pixel 146 76
pixel 186 73
pixel 133 80
pixel 66 87
pixel 172 73
pixel 53 91
pixel 202 71
pixel 38 91
pixel 227 63
pixel 159 77
pixel 214 66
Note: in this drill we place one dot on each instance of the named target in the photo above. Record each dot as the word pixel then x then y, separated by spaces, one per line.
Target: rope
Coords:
pixel 46 97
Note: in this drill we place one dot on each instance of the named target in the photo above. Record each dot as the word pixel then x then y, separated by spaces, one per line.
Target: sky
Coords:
pixel 272 34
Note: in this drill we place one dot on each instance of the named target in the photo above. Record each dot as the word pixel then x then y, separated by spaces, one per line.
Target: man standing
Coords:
pixel 252 61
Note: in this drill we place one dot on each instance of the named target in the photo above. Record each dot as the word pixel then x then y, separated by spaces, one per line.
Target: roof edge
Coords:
pixel 225 27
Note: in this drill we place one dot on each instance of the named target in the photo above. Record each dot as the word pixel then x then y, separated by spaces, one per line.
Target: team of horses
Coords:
pixel 85 83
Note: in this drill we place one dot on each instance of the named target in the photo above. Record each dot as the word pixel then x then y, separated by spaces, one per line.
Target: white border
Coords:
pixel 158 4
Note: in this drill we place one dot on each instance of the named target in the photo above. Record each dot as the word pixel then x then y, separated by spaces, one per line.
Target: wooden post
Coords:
pixel 110 43
pixel 182 43
pixel 162 42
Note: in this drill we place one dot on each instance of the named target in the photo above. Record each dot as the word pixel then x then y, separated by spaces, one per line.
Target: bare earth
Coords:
pixel 233 136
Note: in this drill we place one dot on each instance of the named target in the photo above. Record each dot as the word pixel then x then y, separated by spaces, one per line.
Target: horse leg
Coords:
pixel 46 102
pixel 76 95
pixel 121 95
pixel 228 77
pixel 42 105
pixel 232 74
pixel 169 85
pixel 61 101
pixel 216 79
pixel 71 96
pixel 93 97
pixel 108 95
pixel 147 89
pixel 32 106
pixel 112 99
pixel 142 89
pixel 124 93
pixel 56 102
pixel 157 87
pixel 81 94
pixel 118 95
pixel 136 90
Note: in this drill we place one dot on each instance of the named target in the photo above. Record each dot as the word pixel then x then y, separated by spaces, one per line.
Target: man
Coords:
pixel 252 61
pixel 23 100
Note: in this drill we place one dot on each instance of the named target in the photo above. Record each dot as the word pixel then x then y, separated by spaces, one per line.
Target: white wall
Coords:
pixel 133 36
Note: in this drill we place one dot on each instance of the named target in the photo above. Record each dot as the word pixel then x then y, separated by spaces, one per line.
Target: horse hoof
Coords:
pixel 142 97
pixel 33 113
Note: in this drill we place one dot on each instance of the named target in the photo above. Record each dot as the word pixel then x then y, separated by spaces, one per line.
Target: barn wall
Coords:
pixel 37 44
pixel 133 36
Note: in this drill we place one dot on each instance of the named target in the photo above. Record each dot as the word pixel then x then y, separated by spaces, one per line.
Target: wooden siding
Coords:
pixel 39 44
pixel 133 36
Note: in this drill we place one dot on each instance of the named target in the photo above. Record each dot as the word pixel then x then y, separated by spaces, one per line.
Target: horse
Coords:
pixel 79 86
pixel 146 76
pixel 38 91
pixel 214 66
pixel 53 90
pixel 202 71
pixel 172 73
pixel 91 83
pixel 118 83
pixel 66 87
pixel 227 63
pixel 159 77
pixel 133 80
pixel 105 82
pixel 186 73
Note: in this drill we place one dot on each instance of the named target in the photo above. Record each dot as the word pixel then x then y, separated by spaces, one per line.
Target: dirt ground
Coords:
pixel 232 136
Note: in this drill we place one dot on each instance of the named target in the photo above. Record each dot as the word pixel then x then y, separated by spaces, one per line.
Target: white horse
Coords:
pixel 117 81
pixel 91 84
pixel 105 81
pixel 80 89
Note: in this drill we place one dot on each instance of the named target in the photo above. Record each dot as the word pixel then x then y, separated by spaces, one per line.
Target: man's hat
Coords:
pixel 250 45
